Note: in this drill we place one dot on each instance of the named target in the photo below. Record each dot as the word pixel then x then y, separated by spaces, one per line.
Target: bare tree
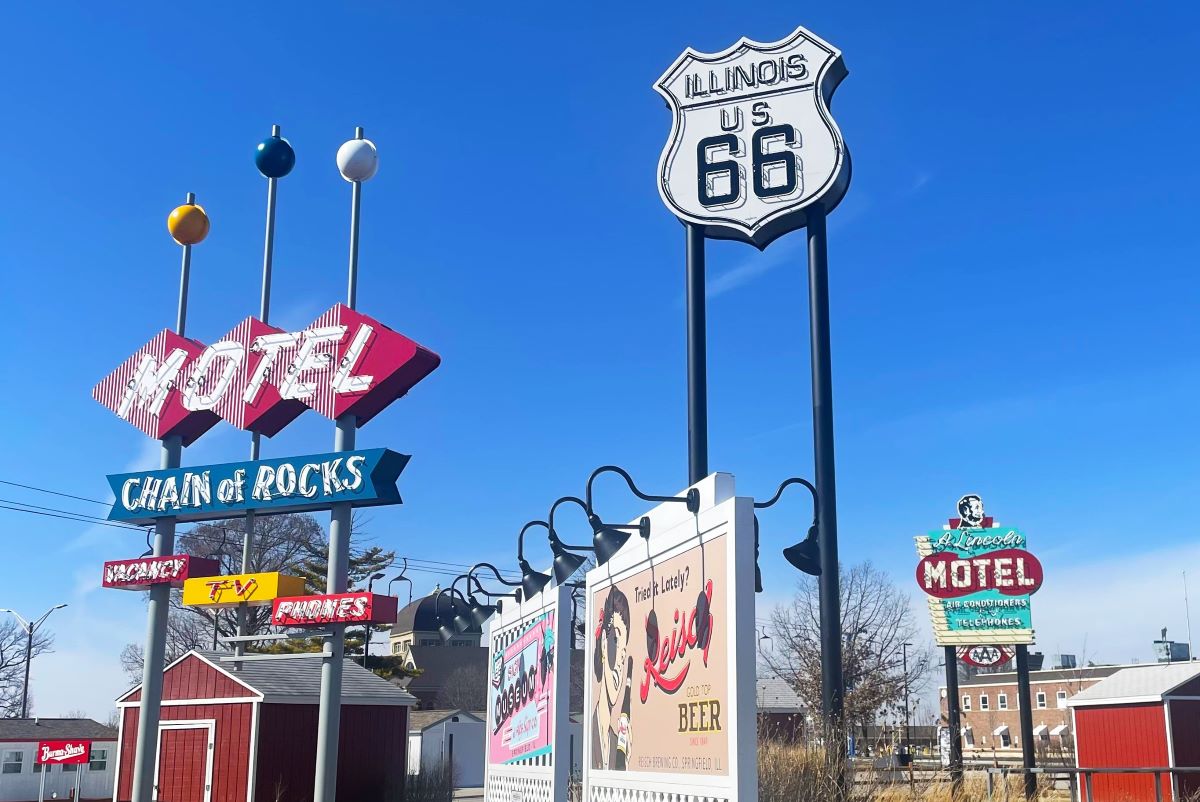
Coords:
pixel 876 621
pixel 13 644
pixel 465 689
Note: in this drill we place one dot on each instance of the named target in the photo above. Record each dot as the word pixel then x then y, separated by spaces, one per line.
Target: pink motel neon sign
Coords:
pixel 260 378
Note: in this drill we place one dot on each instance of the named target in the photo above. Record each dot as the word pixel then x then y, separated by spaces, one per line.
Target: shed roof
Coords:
pixel 773 694
pixel 54 729
pixel 1148 683
pixel 420 720
pixel 298 679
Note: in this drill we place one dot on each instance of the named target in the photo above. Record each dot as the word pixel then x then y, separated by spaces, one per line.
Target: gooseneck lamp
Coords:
pixel 482 612
pixel 444 626
pixel 805 556
pixel 609 538
pixel 532 581
pixel 566 562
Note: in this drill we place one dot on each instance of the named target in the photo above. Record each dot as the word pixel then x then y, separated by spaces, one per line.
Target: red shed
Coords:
pixel 1140 716
pixel 240 735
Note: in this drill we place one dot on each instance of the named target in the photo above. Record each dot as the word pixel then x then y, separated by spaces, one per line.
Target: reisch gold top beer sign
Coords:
pixel 752 143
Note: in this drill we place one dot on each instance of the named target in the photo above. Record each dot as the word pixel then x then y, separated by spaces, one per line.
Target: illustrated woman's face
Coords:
pixel 615 664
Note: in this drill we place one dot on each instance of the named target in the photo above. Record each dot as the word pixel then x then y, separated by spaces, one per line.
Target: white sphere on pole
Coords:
pixel 357 160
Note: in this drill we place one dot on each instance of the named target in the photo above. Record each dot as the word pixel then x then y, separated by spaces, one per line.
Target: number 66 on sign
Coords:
pixel 752 142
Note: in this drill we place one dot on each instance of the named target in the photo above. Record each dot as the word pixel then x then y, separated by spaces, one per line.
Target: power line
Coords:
pixel 425 565
pixel 53 492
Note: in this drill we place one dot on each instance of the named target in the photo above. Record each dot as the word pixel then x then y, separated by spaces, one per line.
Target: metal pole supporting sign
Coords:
pixel 188 225
pixel 274 158
pixel 754 154
pixel 357 161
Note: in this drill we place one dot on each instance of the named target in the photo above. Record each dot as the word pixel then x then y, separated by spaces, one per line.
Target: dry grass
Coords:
pixel 799 774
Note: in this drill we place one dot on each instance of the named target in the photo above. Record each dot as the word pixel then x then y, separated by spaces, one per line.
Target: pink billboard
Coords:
pixel 522 688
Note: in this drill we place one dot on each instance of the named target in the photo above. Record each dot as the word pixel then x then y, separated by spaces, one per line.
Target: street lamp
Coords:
pixel 29 629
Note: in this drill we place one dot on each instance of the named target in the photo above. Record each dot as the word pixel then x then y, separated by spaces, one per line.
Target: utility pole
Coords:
pixel 29 629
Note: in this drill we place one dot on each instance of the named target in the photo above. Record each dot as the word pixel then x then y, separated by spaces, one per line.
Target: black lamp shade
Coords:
pixel 532 581
pixel 805 556
pixel 462 622
pixel 565 562
pixel 608 542
pixel 480 613
pixel 445 631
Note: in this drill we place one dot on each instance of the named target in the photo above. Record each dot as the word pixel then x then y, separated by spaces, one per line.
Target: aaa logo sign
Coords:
pixel 752 142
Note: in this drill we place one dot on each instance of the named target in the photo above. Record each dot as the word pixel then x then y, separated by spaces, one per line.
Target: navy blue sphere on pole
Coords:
pixel 274 157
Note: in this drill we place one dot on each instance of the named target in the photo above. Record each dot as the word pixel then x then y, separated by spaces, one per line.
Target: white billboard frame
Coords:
pixel 673 531
pixel 545 778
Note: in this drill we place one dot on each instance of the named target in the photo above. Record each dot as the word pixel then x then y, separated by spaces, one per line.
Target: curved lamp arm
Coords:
pixel 692 499
pixel 451 591
pixel 496 571
pixel 521 538
pixel 592 519
pixel 795 480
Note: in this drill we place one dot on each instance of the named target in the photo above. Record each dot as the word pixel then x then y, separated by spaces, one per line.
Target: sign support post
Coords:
pixel 358 166
pixel 275 160
pixel 754 154
pixel 164 544
pixel 954 721
pixel 697 356
pixel 832 686
pixel 1028 754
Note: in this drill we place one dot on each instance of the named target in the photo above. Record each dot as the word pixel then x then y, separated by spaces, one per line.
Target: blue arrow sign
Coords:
pixel 292 484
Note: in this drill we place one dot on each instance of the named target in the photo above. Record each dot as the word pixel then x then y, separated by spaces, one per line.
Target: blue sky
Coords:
pixel 1012 278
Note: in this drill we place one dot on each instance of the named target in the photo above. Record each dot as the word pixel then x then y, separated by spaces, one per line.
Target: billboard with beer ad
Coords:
pixel 660 667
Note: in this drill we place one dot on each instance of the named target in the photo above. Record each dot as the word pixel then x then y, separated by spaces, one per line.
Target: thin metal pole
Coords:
pixel 264 312
pixel 28 660
pixel 832 688
pixel 1028 756
pixel 355 204
pixel 154 658
pixel 185 273
pixel 904 655
pixel 954 722
pixel 697 359
pixel 329 714
pixel 1187 611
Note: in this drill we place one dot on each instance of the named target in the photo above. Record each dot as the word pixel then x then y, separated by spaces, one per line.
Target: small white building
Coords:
pixel 20 775
pixel 440 736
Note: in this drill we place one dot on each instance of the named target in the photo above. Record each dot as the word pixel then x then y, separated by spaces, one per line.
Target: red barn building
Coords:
pixel 1142 716
pixel 244 734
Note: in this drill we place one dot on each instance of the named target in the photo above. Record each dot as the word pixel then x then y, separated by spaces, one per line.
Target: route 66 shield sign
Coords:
pixel 752 144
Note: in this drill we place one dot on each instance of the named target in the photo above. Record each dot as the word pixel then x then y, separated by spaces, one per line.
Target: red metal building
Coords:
pixel 1140 717
pixel 250 734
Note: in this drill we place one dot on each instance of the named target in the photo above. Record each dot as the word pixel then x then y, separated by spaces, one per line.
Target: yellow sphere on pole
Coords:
pixel 188 224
